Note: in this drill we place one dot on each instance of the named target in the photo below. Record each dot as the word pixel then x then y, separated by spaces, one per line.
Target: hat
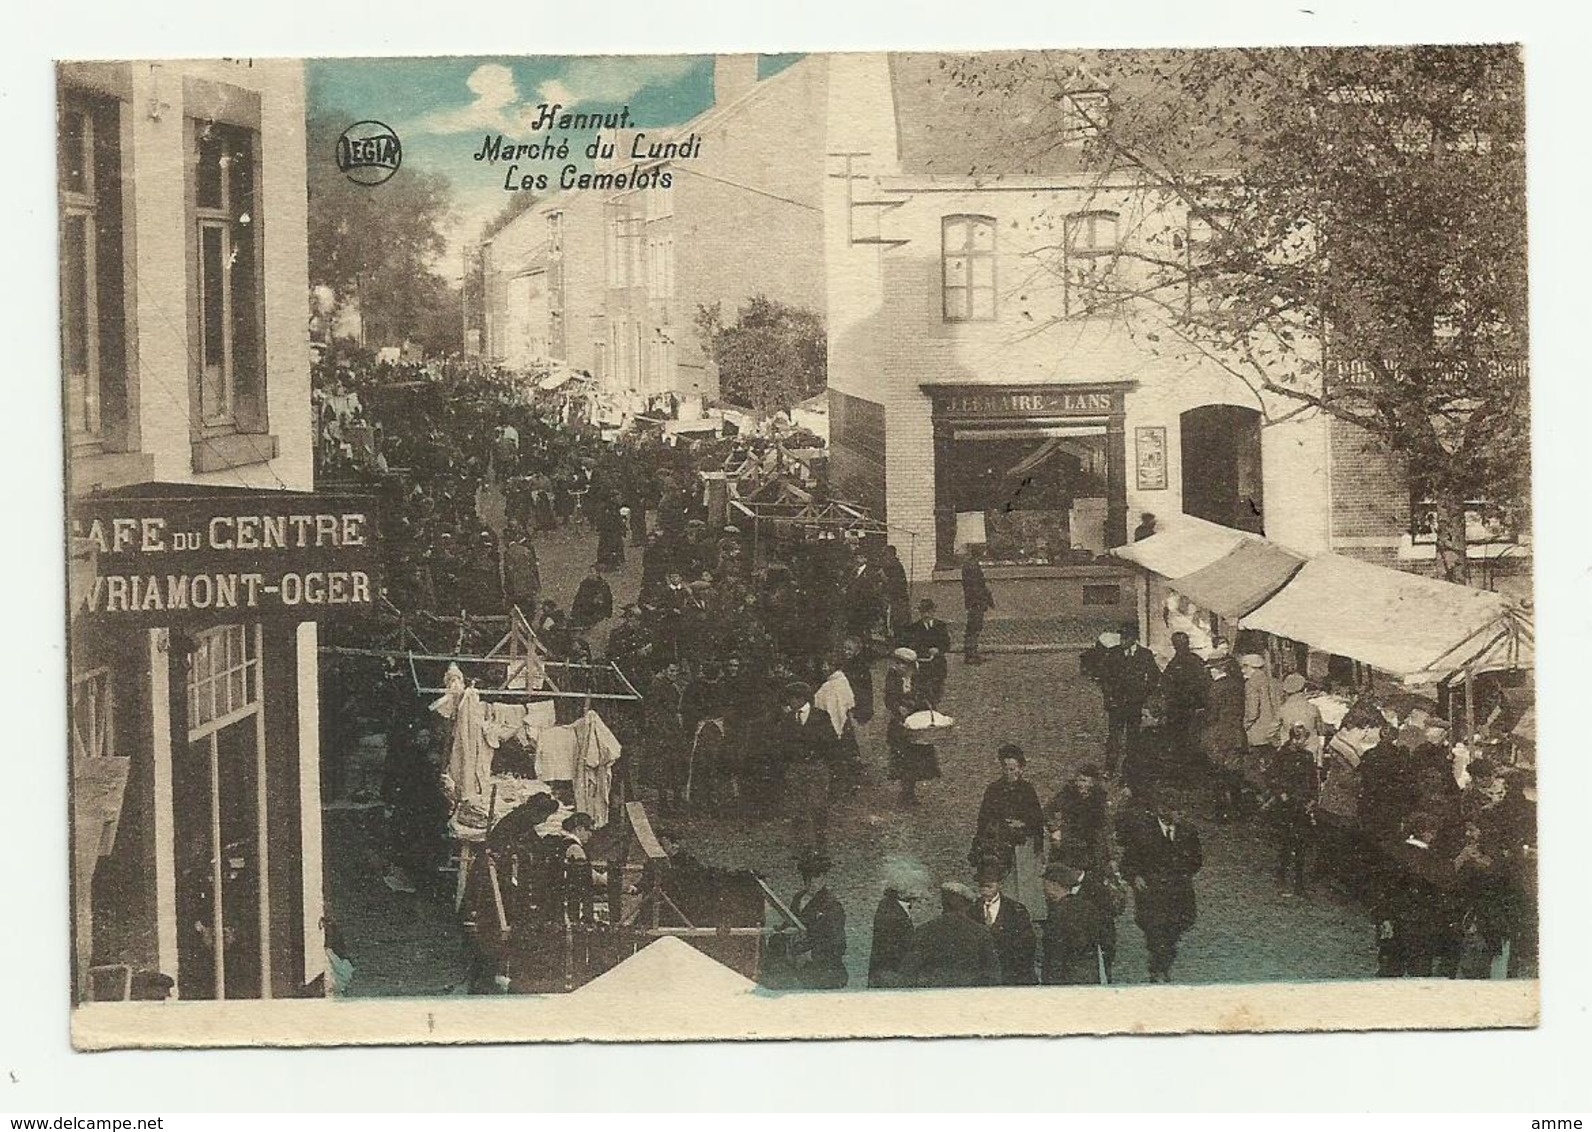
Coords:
pixel 905 656
pixel 813 864
pixel 1252 660
pixel 925 604
pixel 697 523
pixel 958 890
pixel 1012 751
pixel 579 820
pixel 1109 640
pixel 796 690
pixel 1060 872
pixel 1293 682
pixel 732 529
pixel 991 870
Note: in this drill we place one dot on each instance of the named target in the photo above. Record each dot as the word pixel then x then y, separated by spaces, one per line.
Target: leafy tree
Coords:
pixel 378 246
pixel 1342 228
pixel 771 358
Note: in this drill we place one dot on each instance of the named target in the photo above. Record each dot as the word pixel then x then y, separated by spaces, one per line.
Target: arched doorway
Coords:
pixel 1221 466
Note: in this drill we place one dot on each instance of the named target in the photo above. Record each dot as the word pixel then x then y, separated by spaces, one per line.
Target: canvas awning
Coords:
pixel 1186 545
pixel 1414 627
pixel 1241 580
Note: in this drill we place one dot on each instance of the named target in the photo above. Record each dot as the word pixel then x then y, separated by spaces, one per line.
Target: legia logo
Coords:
pixel 369 152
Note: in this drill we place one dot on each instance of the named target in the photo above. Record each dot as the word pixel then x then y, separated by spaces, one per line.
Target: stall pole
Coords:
pixel 1470 703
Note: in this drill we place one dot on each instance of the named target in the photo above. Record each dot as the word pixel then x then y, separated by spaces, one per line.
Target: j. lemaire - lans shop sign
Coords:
pixel 160 558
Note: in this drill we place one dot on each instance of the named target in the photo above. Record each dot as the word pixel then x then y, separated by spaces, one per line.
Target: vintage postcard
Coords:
pixel 759 546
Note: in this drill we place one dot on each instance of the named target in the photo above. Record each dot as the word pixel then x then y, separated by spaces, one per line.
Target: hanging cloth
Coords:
pixel 597 750
pixel 835 699
pixel 469 758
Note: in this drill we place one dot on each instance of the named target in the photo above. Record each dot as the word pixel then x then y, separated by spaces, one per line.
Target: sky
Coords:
pixel 442 108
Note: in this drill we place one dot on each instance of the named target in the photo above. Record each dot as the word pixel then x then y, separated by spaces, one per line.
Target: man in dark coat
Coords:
pixel 1080 936
pixel 977 601
pixel 820 950
pixel 1078 819
pixel 1185 686
pixel 1160 855
pixel 521 573
pixel 1222 735
pixel 1128 679
pixel 897 595
pixel 1387 790
pixel 1295 786
pixel 931 640
pixel 954 949
pixel 892 939
pixel 594 601
pixel 1011 927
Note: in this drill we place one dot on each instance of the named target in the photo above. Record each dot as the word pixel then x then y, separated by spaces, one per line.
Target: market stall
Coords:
pixel 1420 631
pixel 1201 579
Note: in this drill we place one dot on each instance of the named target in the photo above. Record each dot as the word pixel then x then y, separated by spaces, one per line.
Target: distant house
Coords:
pixel 610 283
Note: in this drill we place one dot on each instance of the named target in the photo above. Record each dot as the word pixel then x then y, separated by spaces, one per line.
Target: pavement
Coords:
pixel 1248 930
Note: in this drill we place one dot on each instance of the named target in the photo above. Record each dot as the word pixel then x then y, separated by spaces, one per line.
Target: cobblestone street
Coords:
pixel 1247 930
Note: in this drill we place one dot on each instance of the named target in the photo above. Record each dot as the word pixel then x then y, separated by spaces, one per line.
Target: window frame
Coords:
pixel 98 401
pixel 1079 123
pixel 969 223
pixel 1088 257
pixel 241 408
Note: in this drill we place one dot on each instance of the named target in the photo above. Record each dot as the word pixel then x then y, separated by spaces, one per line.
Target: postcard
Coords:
pixel 644 548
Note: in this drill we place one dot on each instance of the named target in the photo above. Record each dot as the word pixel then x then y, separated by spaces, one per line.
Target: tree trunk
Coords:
pixel 1452 559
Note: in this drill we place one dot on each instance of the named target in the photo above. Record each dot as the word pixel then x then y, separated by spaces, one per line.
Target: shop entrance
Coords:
pixel 1029 494
pixel 218 785
pixel 1221 466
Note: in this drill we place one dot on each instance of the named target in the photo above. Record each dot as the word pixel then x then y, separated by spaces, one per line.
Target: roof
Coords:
pixel 1241 580
pixel 1184 546
pixel 949 126
pixel 1409 625
pixel 667 967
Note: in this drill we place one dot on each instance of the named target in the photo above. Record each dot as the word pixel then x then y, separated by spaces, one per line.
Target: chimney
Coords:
pixel 733 76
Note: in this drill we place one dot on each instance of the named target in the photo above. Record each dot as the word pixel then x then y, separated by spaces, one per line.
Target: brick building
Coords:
pixel 610 283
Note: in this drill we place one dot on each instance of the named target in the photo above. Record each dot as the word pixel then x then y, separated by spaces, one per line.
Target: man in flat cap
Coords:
pixel 954 949
pixel 1080 935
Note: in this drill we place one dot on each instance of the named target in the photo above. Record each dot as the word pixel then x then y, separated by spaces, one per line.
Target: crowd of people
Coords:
pixel 754 656
pixel 1437 844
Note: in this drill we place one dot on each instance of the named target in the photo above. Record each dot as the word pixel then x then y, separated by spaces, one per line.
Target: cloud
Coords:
pixel 614 78
pixel 497 105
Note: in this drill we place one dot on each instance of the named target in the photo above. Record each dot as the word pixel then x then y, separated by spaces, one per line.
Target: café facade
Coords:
pixel 200 560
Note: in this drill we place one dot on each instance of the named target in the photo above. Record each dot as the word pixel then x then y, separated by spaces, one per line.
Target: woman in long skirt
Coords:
pixel 1010 835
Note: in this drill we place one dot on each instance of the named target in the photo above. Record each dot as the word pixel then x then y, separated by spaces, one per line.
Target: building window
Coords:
pixel 555 234
pixel 88 155
pixel 221 679
pixel 968 268
pixel 1198 242
pixel 1485 523
pixel 599 360
pixel 226 235
pixel 93 715
pixel 1090 246
pixel 1083 114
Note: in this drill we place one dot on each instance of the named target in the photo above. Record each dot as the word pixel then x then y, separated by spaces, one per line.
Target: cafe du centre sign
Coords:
pixel 164 558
